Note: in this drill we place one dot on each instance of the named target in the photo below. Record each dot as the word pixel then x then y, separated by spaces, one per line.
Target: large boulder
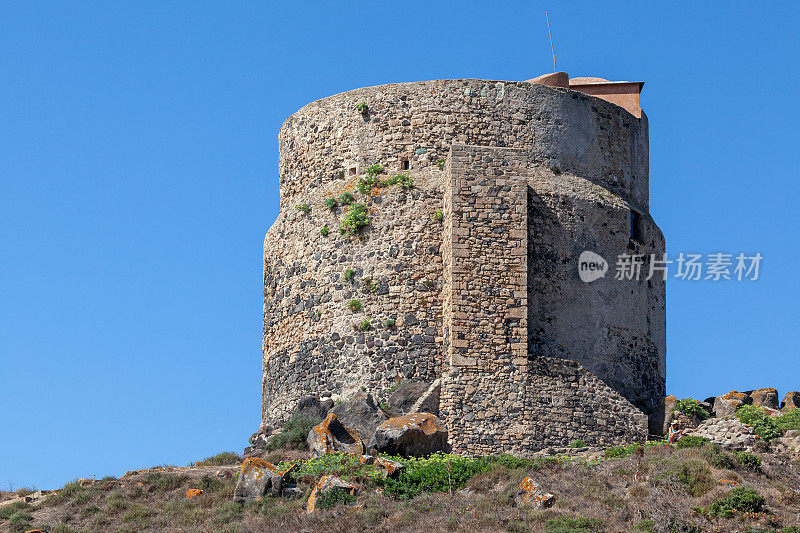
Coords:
pixel 331 436
pixel 255 478
pixel 727 404
pixel 360 414
pixel 730 432
pixel 325 485
pixel 791 400
pixel 405 396
pixel 414 435
pixel 313 408
pixel 765 398
pixel 532 496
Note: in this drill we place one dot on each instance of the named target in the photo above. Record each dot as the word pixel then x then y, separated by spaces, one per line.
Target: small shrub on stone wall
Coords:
pixel 441 163
pixel 367 183
pixel 304 208
pixel 348 274
pixel 354 305
pixel 555 170
pixel 389 323
pixel 577 443
pixel 763 424
pixel 324 230
pixel 362 108
pixel 364 326
pixel 369 286
pixel 438 216
pixel 374 170
pixel 331 203
pixel 355 220
pixel 347 198
pixel 689 406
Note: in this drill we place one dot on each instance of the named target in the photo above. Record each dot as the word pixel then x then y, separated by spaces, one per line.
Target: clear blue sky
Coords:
pixel 138 163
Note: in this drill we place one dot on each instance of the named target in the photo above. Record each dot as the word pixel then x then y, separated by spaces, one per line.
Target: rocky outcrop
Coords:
pixel 325 485
pixel 729 432
pixel 765 398
pixel 414 435
pixel 405 396
pixel 331 436
pixel 531 495
pixel 669 404
pixel 727 404
pixel 313 408
pixel 791 400
pixel 360 414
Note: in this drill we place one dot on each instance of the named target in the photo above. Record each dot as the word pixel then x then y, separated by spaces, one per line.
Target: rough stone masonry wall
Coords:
pixel 495 396
pixel 311 345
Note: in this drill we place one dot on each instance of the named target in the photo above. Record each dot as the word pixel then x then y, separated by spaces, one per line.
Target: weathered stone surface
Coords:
pixel 413 435
pixel 360 414
pixel 727 432
pixel 313 408
pixel 727 404
pixel 405 396
pixel 765 398
pixel 669 404
pixel 330 436
pixel 531 495
pixel 254 479
pixel 791 400
pixel 325 484
pixel 429 401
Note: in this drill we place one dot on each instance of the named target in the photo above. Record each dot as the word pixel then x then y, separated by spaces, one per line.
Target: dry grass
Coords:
pixel 653 489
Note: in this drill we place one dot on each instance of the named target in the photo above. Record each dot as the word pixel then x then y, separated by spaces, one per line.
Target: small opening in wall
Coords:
pixel 353 171
pixel 405 164
pixel 637 226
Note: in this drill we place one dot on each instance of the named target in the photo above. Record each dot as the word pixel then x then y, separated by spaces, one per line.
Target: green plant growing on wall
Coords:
pixel 555 170
pixel 331 203
pixel 324 230
pixel 389 323
pixel 347 198
pixel 364 326
pixel 441 163
pixel 304 208
pixel 369 285
pixel 375 169
pixel 362 108
pixel 438 216
pixel 355 221
pixel 367 183
pixel 348 274
pixel 354 305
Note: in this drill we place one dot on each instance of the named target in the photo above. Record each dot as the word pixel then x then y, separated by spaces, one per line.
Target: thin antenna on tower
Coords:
pixel 551 41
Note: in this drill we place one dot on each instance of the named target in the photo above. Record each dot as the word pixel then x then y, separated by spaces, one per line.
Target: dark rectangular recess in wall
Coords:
pixel 637 226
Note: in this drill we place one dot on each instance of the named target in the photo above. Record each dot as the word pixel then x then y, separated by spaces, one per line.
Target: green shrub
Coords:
pixel 305 208
pixel 354 305
pixel 577 443
pixel 17 507
pixel 362 108
pixel 694 476
pixel 136 513
pixel 717 457
pixel 324 231
pixel 355 220
pixel 293 434
pixel 555 170
pixel 115 501
pixel 740 500
pixel 163 482
pixel 438 216
pixel 347 198
pixel 689 406
pixel 389 323
pixel 369 286
pixel 572 524
pixel 222 459
pixel 763 424
pixel 747 460
pixel 438 473
pixel 347 467
pixel 25 491
pixel 789 420
pixel 367 183
pixel 211 484
pixel 649 526
pixel 375 169
pixel 20 519
pixel 349 273
pixel 364 325
pixel 441 163
pixel 331 203
pixel 333 497
pixel 619 451
pixel 691 441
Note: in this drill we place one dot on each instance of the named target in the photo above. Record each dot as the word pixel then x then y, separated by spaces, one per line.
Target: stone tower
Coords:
pixel 471 276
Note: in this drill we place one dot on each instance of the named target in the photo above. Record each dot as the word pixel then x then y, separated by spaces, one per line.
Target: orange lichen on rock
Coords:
pixel 530 494
pixel 193 493
pixel 767 397
pixel 259 465
pixel 325 484
pixel 388 466
pixel 331 436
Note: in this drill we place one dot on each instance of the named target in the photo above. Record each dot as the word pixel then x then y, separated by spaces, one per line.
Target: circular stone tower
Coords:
pixel 467 273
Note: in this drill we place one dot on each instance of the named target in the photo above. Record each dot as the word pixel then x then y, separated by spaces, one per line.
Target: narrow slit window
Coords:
pixel 353 171
pixel 405 164
pixel 637 226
